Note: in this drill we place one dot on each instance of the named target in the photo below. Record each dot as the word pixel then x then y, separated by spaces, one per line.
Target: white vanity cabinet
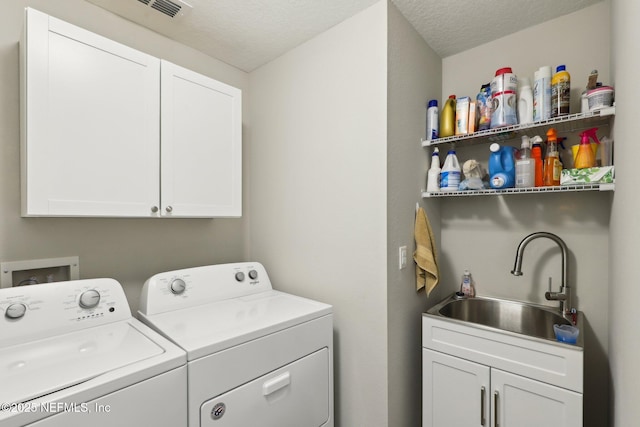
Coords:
pixel 478 377
pixel 110 131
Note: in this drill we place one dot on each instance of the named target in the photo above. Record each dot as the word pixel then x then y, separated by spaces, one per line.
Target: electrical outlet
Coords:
pixel 402 257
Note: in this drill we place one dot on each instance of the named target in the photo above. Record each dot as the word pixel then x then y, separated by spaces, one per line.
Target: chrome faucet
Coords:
pixel 564 296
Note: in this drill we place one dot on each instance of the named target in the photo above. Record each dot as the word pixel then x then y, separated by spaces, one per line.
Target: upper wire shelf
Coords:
pixel 569 123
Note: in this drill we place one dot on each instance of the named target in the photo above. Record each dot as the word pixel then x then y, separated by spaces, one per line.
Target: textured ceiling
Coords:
pixel 250 33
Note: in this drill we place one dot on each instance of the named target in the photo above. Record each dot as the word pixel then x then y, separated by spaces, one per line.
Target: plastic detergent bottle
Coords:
pixel 483 106
pixel 504 87
pixel 586 158
pixel 466 286
pixel 525 102
pixel 448 117
pixel 552 166
pixel 433 122
pixel 433 175
pixel 502 171
pixel 536 155
pixel 525 166
pixel 560 92
pixel 450 174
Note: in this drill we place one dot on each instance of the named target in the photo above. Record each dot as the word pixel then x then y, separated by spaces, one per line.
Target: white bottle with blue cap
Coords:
pixel 433 122
pixel 450 175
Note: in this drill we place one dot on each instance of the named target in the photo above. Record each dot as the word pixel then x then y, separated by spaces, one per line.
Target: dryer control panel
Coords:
pixel 47 309
pixel 174 290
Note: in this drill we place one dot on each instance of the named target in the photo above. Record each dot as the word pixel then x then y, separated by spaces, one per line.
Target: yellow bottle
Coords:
pixel 560 92
pixel 448 117
pixel 585 157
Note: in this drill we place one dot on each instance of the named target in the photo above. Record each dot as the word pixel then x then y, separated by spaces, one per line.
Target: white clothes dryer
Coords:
pixel 71 355
pixel 256 356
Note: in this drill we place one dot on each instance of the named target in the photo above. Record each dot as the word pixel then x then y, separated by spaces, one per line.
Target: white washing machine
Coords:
pixel 256 356
pixel 71 355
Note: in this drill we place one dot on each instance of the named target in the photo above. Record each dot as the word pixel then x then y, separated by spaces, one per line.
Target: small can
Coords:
pixel 433 121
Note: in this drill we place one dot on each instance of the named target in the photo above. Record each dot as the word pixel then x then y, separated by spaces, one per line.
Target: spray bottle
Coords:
pixel 586 158
pixel 525 165
pixel 433 175
pixel 552 166
pixel 536 155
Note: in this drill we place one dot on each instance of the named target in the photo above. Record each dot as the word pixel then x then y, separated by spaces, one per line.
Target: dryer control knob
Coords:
pixel 177 286
pixel 15 311
pixel 89 299
pixel 253 274
pixel 239 276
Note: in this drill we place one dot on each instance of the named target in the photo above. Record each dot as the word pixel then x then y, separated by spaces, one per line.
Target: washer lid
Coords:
pixel 209 328
pixel 42 367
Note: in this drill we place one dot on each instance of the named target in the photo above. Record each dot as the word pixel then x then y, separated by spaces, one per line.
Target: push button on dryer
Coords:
pixel 240 276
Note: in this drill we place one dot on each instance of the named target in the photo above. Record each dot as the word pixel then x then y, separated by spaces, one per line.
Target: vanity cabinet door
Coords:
pixel 90 123
pixel 455 391
pixel 201 149
pixel 521 402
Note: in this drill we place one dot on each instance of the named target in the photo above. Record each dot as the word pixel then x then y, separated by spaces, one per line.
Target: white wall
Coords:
pixel 482 233
pixel 414 77
pixel 318 200
pixel 624 344
pixel 126 249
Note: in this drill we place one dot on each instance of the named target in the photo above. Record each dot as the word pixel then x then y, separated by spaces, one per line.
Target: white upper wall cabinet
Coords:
pixel 92 116
pixel 201 150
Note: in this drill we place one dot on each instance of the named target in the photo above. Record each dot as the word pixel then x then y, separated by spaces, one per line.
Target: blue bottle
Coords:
pixel 502 168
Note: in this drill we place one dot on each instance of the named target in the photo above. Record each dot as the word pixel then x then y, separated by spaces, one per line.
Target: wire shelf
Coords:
pixel 569 124
pixel 507 191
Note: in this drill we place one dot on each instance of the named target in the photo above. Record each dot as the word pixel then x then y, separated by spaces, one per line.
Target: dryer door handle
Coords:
pixel 275 384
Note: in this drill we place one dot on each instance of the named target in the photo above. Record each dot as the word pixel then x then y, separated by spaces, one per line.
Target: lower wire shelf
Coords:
pixel 506 191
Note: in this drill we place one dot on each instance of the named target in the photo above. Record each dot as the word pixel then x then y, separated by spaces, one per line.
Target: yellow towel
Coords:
pixel 427 274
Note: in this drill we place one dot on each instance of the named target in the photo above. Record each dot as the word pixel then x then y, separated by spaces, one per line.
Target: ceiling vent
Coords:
pixel 171 8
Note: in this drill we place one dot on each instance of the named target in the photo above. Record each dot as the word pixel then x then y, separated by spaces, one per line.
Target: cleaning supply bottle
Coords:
pixel 552 166
pixel 502 171
pixel 433 175
pixel 433 122
pixel 560 92
pixel 536 155
pixel 606 151
pixel 450 174
pixel 504 87
pixel 525 166
pixel 483 106
pixel 466 286
pixel 448 117
pixel 525 102
pixel 586 158
pixel 542 94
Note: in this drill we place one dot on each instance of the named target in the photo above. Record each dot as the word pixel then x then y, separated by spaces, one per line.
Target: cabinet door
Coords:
pixel 455 391
pixel 201 149
pixel 90 123
pixel 521 402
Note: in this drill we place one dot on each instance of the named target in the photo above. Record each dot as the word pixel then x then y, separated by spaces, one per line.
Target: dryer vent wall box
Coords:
pixel 36 271
pixel 256 356
pixel 72 355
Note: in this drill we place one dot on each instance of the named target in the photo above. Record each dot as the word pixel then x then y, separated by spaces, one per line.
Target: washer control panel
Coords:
pixel 178 289
pixel 40 309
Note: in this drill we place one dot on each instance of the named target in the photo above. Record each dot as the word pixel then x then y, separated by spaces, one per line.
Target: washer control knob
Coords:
pixel 177 286
pixel 89 299
pixel 15 311
pixel 240 276
pixel 253 275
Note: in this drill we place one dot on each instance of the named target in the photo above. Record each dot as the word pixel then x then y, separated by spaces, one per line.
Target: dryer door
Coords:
pixel 296 395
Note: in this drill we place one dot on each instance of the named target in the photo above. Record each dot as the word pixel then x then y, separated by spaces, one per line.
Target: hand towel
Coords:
pixel 427 274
